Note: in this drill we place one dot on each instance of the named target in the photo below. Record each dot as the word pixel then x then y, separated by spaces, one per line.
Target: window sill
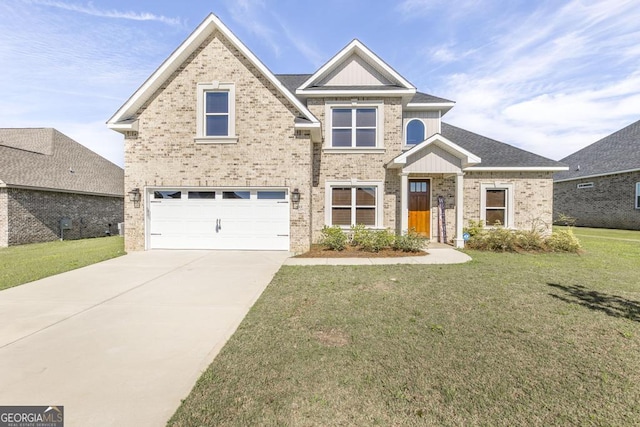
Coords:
pixel 351 150
pixel 216 140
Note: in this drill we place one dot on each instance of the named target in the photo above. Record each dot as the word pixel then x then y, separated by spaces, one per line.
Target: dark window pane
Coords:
pixel 341 118
pixel 202 194
pixel 365 138
pixel 217 125
pixel 366 196
pixel 341 138
pixel 236 194
pixel 495 216
pixel 341 216
pixel 366 117
pixel 496 198
pixel 341 197
pixel 172 194
pixel 271 195
pixel 366 216
pixel 217 102
pixel 415 132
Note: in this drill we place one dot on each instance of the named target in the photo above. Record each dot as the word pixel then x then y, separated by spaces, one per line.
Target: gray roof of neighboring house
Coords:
pixel 294 81
pixel 43 158
pixel 617 152
pixel 494 153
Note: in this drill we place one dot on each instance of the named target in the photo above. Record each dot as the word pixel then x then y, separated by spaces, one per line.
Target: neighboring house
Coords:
pixel 227 155
pixel 602 186
pixel 51 186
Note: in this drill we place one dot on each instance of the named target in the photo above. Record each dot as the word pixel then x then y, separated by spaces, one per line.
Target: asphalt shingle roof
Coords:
pixel 45 158
pixel 494 153
pixel 617 152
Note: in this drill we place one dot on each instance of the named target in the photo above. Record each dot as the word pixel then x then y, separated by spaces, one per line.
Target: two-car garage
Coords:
pixel 218 218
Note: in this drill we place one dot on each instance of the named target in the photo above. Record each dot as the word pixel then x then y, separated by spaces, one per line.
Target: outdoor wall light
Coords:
pixel 134 195
pixel 295 196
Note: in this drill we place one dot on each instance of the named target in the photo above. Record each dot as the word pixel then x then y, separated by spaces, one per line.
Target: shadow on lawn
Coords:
pixel 610 304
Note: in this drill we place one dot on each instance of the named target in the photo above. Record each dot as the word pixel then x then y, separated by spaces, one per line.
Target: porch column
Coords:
pixel 459 241
pixel 404 203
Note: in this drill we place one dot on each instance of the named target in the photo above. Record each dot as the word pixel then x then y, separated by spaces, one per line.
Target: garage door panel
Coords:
pixel 221 223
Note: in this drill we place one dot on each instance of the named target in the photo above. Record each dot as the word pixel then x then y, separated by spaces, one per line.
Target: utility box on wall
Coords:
pixel 65 224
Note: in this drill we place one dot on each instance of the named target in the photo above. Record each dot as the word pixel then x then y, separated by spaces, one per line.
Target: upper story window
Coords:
pixel 415 132
pixel 354 125
pixel 216 113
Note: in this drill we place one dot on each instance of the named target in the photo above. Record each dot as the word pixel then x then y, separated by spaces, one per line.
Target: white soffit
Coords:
pixel 173 62
pixel 467 157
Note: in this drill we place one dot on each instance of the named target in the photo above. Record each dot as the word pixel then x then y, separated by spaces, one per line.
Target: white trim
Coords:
pixel 358 48
pixel 321 93
pixel 173 62
pixel 458 239
pixel 405 133
pixel 379 185
pixel 354 150
pixel 517 169
pixel 467 157
pixel 420 106
pixel 510 201
pixel 379 107
pixel 202 89
pixel 58 190
pixel 596 175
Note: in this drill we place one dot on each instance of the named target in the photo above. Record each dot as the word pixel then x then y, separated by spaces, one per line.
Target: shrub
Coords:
pixel 359 233
pixel 563 241
pixel 374 240
pixel 410 242
pixel 475 228
pixel 530 240
pixel 333 238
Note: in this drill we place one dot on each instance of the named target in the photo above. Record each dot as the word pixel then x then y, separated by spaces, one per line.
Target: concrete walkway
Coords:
pixel 438 255
pixel 121 342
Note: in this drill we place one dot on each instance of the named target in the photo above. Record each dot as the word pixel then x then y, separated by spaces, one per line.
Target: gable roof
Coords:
pixel 122 120
pixel 466 157
pixel 391 81
pixel 45 159
pixel 616 153
pixel 496 155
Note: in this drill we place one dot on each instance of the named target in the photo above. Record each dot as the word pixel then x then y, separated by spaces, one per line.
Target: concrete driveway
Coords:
pixel 122 341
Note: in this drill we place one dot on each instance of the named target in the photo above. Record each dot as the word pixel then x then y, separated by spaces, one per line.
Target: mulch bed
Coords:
pixel 319 251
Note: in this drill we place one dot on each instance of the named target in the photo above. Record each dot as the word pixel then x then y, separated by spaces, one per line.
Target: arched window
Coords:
pixel 415 132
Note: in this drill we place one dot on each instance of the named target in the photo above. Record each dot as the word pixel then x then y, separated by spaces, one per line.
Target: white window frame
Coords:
pixel 510 200
pixel 354 183
pixel 354 104
pixel 201 136
pixel 637 195
pixel 406 134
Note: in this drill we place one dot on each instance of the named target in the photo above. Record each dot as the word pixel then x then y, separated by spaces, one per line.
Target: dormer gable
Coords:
pixel 356 70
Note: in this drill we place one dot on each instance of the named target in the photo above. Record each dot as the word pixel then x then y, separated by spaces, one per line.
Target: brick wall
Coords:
pixel 363 167
pixel 533 196
pixel 4 230
pixel 610 203
pixel 268 151
pixel 34 216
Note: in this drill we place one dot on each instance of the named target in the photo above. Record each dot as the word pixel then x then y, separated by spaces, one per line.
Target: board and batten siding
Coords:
pixel 433 159
pixel 431 120
pixel 355 72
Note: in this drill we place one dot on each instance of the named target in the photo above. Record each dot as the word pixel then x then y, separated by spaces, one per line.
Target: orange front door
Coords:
pixel 419 206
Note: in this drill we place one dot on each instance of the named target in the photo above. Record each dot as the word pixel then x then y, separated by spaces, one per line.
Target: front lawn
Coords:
pixel 26 263
pixel 506 339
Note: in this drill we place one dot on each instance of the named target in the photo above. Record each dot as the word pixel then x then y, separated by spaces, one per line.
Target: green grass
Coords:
pixel 26 263
pixel 506 339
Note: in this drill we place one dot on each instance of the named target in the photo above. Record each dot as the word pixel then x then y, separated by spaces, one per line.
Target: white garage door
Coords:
pixel 195 218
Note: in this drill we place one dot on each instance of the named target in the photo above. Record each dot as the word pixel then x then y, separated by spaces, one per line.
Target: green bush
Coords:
pixel 375 240
pixel 530 240
pixel 359 233
pixel 334 238
pixel 475 228
pixel 563 241
pixel 410 242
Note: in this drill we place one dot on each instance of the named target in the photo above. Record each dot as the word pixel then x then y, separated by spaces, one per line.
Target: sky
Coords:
pixel 550 77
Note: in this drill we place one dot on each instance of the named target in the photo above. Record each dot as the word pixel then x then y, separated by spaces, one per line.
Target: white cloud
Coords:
pixel 90 9
pixel 250 14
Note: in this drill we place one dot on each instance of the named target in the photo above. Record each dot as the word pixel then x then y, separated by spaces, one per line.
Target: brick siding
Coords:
pixel 268 152
pixel 610 203
pixel 34 216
